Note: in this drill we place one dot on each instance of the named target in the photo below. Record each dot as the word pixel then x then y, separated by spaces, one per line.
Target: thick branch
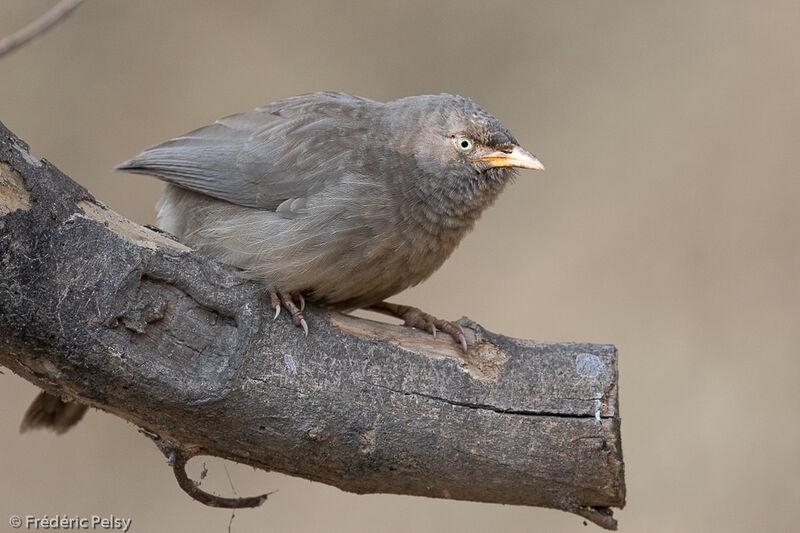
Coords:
pixel 122 318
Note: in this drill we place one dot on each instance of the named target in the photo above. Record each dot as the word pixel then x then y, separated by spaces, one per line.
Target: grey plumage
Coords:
pixel 343 199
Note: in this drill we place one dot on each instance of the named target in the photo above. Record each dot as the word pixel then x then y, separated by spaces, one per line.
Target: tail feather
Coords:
pixel 51 412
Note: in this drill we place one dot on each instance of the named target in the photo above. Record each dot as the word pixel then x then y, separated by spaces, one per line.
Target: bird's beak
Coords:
pixel 518 158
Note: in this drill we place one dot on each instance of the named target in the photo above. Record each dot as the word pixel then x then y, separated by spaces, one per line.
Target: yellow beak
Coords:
pixel 518 158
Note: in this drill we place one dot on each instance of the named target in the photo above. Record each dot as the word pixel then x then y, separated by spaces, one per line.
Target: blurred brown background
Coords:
pixel 666 223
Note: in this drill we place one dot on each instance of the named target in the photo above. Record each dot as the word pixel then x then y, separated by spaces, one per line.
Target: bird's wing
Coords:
pixel 284 151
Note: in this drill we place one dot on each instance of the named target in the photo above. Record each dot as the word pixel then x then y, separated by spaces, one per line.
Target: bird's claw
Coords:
pixel 278 297
pixel 454 330
pixel 275 302
pixel 416 318
pixel 463 340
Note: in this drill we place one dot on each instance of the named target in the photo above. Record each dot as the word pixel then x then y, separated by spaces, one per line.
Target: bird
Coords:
pixel 334 198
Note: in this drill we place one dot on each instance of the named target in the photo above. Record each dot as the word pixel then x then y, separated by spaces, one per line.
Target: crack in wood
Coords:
pixel 488 407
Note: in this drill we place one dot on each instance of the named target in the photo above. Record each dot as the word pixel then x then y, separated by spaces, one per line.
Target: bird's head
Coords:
pixel 461 145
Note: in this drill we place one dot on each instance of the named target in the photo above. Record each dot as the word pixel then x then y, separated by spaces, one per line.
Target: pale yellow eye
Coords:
pixel 463 144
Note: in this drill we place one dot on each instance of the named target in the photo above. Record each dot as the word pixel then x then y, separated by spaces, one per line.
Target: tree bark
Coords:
pixel 98 309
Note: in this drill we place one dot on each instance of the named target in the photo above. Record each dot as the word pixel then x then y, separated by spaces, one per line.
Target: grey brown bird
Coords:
pixel 336 198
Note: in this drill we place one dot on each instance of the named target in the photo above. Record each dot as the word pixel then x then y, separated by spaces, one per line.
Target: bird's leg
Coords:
pixel 278 297
pixel 416 318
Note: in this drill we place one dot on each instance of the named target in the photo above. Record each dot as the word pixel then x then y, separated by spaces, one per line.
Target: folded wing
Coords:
pixel 286 150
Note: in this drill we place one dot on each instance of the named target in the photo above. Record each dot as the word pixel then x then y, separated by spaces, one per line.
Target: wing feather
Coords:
pixel 286 150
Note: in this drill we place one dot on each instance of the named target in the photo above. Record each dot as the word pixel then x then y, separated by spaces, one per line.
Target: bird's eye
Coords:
pixel 463 144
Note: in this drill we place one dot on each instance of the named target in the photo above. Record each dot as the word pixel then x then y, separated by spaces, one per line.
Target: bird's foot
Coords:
pixel 416 318
pixel 278 297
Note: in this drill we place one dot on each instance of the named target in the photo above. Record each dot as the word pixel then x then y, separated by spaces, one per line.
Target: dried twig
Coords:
pixel 43 23
pixel 178 457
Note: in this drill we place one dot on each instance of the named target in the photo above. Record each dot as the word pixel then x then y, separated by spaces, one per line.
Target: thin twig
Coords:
pixel 178 458
pixel 233 511
pixel 37 27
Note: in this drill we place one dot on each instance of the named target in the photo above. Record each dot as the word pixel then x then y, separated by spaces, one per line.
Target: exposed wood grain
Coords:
pixel 96 308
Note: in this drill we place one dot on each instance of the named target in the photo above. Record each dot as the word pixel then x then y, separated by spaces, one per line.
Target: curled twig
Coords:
pixel 179 457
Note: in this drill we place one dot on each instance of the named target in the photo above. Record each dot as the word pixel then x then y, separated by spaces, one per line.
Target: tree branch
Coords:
pixel 122 318
pixel 40 25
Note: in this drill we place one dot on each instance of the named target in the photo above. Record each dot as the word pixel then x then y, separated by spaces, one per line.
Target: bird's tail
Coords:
pixel 51 412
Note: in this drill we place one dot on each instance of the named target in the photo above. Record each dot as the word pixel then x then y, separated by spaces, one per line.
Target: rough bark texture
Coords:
pixel 122 318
